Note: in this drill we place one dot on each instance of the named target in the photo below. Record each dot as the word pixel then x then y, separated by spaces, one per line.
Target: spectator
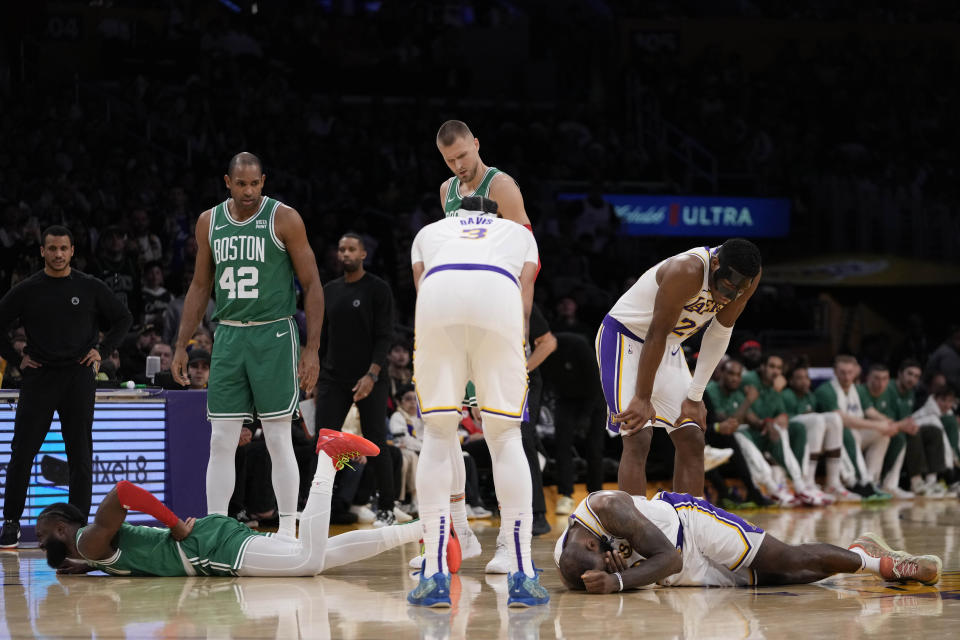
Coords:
pixel 155 297
pixel 163 351
pixel 60 310
pixel 119 270
pixel 406 431
pixel 134 351
pixel 202 339
pixel 945 359
pixel 198 368
pixel 144 243
pixel 173 311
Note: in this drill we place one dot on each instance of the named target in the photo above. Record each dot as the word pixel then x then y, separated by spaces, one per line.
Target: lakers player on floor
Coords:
pixel 616 541
pixel 643 372
pixel 215 545
pixel 249 247
pixel 459 337
pixel 461 152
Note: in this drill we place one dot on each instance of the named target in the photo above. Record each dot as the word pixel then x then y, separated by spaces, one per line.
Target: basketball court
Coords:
pixel 368 599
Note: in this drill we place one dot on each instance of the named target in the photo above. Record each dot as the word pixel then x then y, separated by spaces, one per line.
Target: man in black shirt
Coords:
pixel 60 309
pixel 357 331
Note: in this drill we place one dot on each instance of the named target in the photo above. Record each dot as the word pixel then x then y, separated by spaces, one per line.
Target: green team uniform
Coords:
pixel 724 404
pixel 257 345
pixel 827 399
pixel 769 404
pixel 798 405
pixel 451 203
pixel 894 406
pixel 215 547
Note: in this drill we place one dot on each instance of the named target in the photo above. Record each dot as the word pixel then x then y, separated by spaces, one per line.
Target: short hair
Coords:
pixel 64 512
pixel 944 390
pixel 879 367
pixel 767 356
pixel 800 362
pixel 56 230
pixel 244 158
pixel 844 358
pixel 907 363
pixel 742 255
pixel 355 236
pixel 732 360
pixel 575 559
pixel 404 389
pixel 451 130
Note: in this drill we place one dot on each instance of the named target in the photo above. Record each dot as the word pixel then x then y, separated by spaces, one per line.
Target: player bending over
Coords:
pixel 214 545
pixel 616 541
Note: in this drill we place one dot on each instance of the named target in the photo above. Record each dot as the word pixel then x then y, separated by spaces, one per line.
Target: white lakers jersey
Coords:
pixel 660 513
pixel 475 240
pixel 634 309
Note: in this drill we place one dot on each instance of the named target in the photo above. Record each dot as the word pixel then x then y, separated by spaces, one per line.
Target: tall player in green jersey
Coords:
pixel 248 249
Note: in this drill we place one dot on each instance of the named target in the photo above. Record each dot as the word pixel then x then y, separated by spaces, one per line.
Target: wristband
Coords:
pixel 620 580
pixel 373 376
pixel 716 427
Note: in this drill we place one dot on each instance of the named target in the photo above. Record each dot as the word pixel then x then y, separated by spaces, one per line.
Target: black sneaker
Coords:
pixel 540 524
pixel 384 518
pixel 10 534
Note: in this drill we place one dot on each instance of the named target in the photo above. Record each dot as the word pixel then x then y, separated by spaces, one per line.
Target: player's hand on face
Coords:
pixel 178 367
pixel 639 412
pixel 308 369
pixel 182 529
pixel 614 562
pixel 363 388
pixel 600 581
pixel 779 383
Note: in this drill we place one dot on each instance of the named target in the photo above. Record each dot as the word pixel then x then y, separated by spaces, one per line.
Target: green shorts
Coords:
pixel 254 368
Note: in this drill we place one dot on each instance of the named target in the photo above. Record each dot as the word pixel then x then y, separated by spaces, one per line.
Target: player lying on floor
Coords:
pixel 214 545
pixel 616 541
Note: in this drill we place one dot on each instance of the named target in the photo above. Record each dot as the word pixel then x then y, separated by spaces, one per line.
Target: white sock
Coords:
pixel 833 471
pixel 458 497
pixel 869 563
pixel 434 477
pixel 221 473
pixel 931 478
pixel 514 489
pixel 811 472
pixel 286 473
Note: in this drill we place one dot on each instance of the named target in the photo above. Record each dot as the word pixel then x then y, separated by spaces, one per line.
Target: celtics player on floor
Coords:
pixel 616 541
pixel 472 178
pixel 249 247
pixel 215 545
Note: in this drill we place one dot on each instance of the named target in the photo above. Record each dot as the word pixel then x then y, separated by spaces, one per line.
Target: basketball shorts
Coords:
pixel 469 326
pixel 718 547
pixel 254 369
pixel 618 356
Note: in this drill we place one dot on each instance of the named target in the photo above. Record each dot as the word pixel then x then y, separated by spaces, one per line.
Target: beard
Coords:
pixel 350 267
pixel 56 553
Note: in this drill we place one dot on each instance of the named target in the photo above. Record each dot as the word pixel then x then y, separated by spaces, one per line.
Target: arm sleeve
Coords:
pixel 382 324
pixel 714 345
pixel 136 498
pixel 119 317
pixel 10 310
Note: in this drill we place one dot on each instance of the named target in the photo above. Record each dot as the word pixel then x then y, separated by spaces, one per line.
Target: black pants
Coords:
pixel 333 400
pixel 587 417
pixel 528 432
pixel 924 452
pixel 70 391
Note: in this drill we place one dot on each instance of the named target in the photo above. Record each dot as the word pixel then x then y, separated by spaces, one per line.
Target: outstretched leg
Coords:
pixel 779 563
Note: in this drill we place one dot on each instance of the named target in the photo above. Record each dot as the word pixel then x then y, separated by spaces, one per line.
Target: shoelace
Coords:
pixel 905 566
pixel 343 460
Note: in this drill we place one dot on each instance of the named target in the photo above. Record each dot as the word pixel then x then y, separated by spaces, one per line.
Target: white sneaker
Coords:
pixel 364 514
pixel 474 513
pixel 565 506
pixel 900 494
pixel 502 561
pixel 401 515
pixel 842 494
pixel 713 458
pixel 935 491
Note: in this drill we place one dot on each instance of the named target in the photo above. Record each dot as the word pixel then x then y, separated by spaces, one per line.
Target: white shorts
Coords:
pixel 618 356
pixel 469 326
pixel 718 547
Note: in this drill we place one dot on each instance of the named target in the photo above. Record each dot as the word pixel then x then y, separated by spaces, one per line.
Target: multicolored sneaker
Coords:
pixel 524 591
pixel 344 447
pixel 431 592
pixel 454 554
pixel 899 565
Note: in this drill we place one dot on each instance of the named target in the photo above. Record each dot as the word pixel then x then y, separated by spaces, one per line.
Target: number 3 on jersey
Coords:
pixel 245 286
pixel 473 234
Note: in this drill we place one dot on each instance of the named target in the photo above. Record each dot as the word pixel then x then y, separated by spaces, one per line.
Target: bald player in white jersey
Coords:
pixel 474 275
pixel 643 371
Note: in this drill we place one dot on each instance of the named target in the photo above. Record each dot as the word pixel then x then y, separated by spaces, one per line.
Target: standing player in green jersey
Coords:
pixel 214 545
pixel 249 247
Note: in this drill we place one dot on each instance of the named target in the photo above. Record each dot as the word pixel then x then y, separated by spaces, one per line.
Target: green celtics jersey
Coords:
pixel 724 404
pixel 452 202
pixel 796 405
pixel 254 275
pixel 215 547
pixel 886 403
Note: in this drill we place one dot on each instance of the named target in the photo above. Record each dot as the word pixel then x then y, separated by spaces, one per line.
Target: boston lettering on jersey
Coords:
pixel 247 248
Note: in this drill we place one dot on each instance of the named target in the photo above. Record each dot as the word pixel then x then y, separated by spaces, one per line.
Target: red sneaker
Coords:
pixel 343 447
pixel 899 566
pixel 454 554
